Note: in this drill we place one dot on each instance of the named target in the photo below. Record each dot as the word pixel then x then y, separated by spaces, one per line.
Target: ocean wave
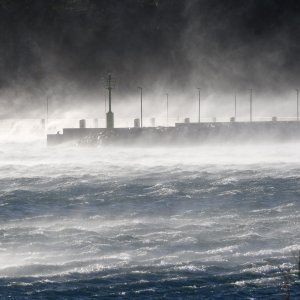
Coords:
pixel 204 218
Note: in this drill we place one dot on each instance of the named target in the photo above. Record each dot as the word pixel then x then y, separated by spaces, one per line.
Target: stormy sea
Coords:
pixel 207 222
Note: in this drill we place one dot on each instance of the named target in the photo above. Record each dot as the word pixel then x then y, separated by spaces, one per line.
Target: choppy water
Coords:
pixel 214 222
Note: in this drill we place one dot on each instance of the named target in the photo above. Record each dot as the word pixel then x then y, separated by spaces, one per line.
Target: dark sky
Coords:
pixel 215 44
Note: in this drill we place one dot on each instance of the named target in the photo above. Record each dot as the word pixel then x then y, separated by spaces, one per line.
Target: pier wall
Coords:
pixel 182 133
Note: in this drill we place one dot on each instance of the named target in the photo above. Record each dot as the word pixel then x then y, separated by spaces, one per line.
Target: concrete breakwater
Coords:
pixel 181 133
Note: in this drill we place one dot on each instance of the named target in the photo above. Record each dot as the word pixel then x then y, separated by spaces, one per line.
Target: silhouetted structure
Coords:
pixel 109 114
pixel 136 123
pixel 82 123
pixel 141 105
pixel 167 109
pixel 199 94
pixel 183 133
pixel 297 104
pixel 250 105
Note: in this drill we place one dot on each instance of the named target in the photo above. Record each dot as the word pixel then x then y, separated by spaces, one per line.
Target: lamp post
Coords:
pixel 234 106
pixel 167 108
pixel 199 90
pixel 297 90
pixel 47 109
pixel 110 84
pixel 250 105
pixel 45 122
pixel 141 105
pixel 105 101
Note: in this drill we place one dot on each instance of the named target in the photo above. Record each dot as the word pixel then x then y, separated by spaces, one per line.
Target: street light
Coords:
pixel 235 106
pixel 167 108
pixel 199 104
pixel 47 109
pixel 105 101
pixel 141 105
pixel 250 105
pixel 47 114
pixel 297 90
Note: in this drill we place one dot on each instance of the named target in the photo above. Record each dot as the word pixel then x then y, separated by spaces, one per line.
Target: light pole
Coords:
pixel 250 105
pixel 47 109
pixel 110 84
pixel 297 90
pixel 141 105
pixel 47 115
pixel 167 108
pixel 199 90
pixel 235 106
pixel 105 101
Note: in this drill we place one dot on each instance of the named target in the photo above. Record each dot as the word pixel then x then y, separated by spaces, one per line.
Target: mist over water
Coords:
pixel 216 221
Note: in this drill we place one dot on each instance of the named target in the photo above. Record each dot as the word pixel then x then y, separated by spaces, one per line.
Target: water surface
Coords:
pixel 210 222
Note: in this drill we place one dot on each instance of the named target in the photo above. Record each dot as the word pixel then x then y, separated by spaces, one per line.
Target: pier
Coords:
pixel 181 134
